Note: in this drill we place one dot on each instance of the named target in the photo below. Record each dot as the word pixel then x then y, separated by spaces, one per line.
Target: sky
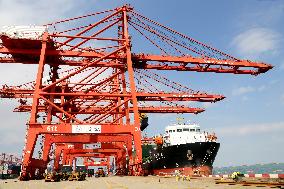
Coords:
pixel 249 123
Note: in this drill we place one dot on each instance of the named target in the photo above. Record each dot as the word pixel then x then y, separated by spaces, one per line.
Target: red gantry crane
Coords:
pixel 103 86
pixel 63 144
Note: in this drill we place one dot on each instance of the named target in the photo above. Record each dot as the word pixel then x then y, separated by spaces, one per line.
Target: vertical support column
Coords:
pixel 70 160
pixel 38 84
pixel 108 164
pixel 64 159
pixel 58 150
pixel 118 161
pixel 74 159
pixel 32 131
pixel 27 166
pixel 46 147
pixel 62 101
pixel 129 147
pixel 127 121
pixel 116 88
pixel 137 132
pixel 53 79
pixel 85 162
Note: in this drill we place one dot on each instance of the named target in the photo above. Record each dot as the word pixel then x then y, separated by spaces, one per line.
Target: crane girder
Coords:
pixel 141 96
pixel 97 110
pixel 144 61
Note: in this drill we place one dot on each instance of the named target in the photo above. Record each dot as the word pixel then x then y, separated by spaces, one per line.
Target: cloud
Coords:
pixel 37 11
pixel 242 90
pixel 248 89
pixel 256 41
pixel 251 129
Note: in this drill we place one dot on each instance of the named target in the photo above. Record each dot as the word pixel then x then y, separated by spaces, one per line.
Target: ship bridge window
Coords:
pixel 185 129
pixel 167 131
pixel 170 131
pixel 192 129
pixel 198 130
pixel 179 130
pixel 174 131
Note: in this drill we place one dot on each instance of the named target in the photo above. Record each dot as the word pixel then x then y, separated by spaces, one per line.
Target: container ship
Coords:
pixel 183 148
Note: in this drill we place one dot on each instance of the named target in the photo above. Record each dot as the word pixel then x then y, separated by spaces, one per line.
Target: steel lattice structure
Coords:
pixel 103 85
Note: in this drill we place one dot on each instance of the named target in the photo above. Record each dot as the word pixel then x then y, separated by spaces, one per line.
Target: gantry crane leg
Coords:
pixel 27 164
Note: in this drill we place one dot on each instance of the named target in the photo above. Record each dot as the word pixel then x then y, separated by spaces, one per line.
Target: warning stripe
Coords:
pixel 265 175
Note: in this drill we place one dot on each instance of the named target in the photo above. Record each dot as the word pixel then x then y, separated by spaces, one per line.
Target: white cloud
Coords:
pixel 248 89
pixel 257 41
pixel 242 90
pixel 251 129
pixel 37 11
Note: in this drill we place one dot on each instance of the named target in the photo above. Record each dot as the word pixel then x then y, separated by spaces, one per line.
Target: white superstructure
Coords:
pixel 185 133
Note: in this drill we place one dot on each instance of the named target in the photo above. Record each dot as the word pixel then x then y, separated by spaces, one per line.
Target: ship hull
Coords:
pixel 189 159
pixel 201 170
